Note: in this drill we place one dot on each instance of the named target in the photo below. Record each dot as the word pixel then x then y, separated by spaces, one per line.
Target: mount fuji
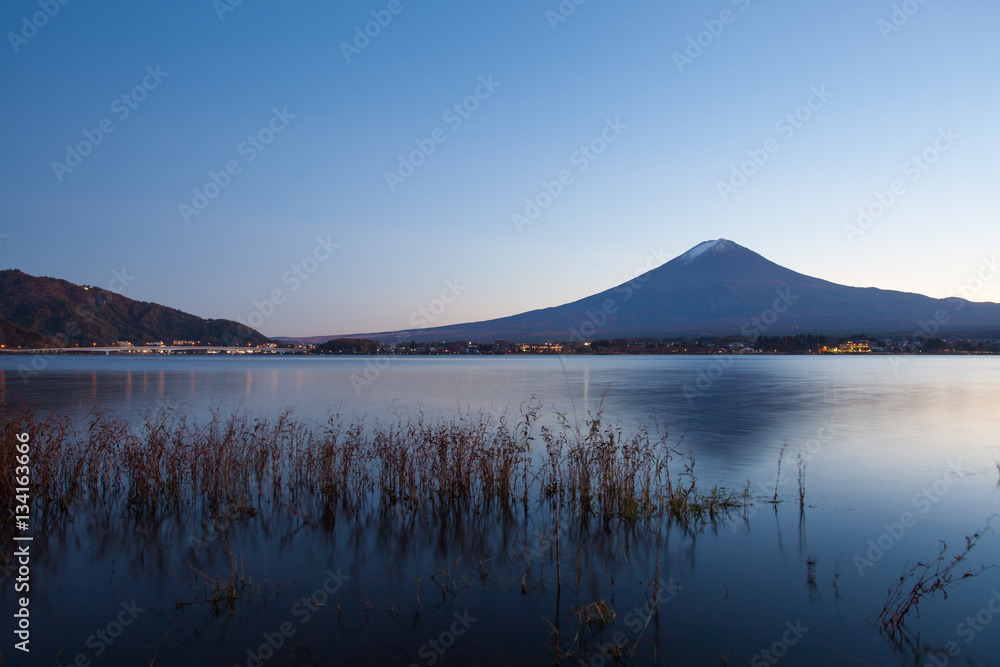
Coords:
pixel 720 288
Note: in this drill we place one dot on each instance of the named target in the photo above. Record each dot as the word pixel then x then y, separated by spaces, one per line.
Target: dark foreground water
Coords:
pixel 901 455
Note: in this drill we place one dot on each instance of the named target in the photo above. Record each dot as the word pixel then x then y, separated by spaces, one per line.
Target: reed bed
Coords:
pixel 470 460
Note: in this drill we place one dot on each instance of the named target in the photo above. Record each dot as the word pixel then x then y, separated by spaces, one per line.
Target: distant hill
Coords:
pixel 48 312
pixel 720 288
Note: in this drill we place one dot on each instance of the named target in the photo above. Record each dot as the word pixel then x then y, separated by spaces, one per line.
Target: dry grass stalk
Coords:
pixel 923 580
pixel 471 461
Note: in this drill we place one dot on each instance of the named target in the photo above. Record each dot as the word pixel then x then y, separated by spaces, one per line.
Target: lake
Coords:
pixel 899 453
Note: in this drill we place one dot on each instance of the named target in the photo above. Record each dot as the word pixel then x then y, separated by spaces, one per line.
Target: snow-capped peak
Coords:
pixel 718 245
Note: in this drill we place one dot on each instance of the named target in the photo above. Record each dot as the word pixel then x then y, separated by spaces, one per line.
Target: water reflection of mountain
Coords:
pixel 736 415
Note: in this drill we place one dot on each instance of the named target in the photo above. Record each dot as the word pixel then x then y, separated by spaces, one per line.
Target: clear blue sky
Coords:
pixel 324 174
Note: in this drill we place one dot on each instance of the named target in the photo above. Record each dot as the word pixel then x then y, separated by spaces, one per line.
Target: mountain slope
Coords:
pixel 13 335
pixel 62 314
pixel 721 288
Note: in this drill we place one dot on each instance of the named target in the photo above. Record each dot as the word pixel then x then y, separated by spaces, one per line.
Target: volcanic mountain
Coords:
pixel 720 288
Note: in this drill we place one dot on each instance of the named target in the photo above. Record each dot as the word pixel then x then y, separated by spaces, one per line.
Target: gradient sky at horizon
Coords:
pixel 650 196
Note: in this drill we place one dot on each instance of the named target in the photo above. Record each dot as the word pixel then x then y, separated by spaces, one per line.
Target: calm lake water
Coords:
pixel 883 436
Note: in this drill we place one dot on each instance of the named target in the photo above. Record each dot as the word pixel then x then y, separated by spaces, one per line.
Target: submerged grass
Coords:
pixel 595 615
pixel 470 461
pixel 924 580
pixel 223 592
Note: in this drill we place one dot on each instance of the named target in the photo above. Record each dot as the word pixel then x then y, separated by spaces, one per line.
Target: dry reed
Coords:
pixel 470 461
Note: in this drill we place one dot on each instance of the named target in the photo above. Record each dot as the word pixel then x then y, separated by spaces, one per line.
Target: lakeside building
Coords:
pixel 554 348
pixel 855 347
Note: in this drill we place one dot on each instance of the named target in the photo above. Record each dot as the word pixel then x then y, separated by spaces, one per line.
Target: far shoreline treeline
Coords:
pixel 796 344
pixel 800 344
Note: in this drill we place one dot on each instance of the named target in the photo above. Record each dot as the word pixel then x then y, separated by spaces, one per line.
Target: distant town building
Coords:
pixel 554 348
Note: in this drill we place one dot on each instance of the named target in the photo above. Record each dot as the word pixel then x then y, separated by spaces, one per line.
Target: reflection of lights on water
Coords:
pixel 249 381
pixel 192 386
pixel 93 385
pixel 128 386
pixel 274 383
pixel 298 384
